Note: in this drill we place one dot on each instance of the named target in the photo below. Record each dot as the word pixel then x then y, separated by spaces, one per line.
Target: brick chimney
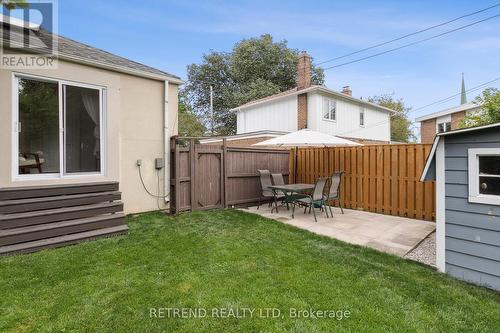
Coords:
pixel 347 90
pixel 304 71
pixel 303 82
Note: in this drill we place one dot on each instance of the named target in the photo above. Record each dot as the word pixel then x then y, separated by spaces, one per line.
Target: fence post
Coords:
pixel 224 172
pixel 292 166
pixel 174 173
pixel 192 172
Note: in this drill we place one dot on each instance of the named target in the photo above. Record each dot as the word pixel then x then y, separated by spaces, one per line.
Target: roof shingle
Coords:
pixel 76 50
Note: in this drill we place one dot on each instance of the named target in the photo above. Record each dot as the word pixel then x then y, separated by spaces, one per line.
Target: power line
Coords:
pixel 412 43
pixel 455 95
pixel 408 35
pixel 433 103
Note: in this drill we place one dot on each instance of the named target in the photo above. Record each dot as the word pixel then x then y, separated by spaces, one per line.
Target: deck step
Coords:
pixel 18 220
pixel 54 229
pixel 44 203
pixel 63 240
pixel 26 192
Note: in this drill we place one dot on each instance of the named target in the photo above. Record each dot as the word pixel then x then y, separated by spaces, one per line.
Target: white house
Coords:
pixel 317 108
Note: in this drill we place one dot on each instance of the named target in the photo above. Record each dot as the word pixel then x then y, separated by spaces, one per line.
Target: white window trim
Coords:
pixel 362 111
pixel 443 120
pixel 15 133
pixel 474 195
pixel 328 101
pixel 440 206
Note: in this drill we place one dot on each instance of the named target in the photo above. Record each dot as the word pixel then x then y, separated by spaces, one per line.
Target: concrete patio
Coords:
pixel 391 234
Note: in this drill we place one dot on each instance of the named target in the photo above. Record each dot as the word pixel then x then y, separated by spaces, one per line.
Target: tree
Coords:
pixel 400 124
pixel 13 4
pixel 490 110
pixel 189 124
pixel 254 68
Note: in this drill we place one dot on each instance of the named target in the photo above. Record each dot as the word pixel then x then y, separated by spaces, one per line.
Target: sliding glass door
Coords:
pixel 82 129
pixel 59 128
pixel 38 127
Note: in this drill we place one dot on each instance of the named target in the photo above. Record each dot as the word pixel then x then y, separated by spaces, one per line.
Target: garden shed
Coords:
pixel 465 164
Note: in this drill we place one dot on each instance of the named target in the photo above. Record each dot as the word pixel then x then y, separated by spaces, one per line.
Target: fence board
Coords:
pixel 378 178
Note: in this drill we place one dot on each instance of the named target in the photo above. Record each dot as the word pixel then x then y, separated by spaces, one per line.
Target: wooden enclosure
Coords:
pixel 210 176
pixel 378 178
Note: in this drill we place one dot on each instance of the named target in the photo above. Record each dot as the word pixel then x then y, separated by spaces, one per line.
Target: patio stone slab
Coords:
pixel 391 234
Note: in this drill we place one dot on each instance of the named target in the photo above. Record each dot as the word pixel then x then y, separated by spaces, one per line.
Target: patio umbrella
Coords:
pixel 306 138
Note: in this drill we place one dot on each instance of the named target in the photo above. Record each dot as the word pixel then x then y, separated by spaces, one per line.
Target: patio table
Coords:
pixel 289 189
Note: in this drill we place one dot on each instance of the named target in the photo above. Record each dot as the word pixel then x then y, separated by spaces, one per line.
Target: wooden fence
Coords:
pixel 210 176
pixel 378 178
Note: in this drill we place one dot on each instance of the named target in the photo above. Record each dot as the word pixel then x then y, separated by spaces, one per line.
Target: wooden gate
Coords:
pixel 212 176
pixel 208 192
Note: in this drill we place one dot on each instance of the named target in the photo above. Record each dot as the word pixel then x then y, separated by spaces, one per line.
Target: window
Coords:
pixel 362 117
pixel 38 127
pixel 444 127
pixel 59 128
pixel 330 109
pixel 484 175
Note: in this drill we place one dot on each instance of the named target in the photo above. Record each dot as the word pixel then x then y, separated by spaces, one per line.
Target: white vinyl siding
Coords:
pixel 280 115
pixel 347 124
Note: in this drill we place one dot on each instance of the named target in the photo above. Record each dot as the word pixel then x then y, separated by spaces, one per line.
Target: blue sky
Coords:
pixel 172 34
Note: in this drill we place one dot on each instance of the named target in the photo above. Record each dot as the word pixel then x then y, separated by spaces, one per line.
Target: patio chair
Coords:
pixel 267 193
pixel 290 198
pixel 333 192
pixel 314 200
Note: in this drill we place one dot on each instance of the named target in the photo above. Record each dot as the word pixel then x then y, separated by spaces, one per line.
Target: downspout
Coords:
pixel 166 147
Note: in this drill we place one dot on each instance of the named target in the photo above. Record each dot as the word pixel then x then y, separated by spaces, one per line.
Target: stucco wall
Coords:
pixel 134 118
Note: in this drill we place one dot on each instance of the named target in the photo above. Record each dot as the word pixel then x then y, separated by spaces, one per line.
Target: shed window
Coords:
pixel 330 109
pixel 489 175
pixel 484 175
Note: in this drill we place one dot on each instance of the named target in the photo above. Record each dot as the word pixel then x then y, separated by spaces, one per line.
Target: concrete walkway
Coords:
pixel 392 234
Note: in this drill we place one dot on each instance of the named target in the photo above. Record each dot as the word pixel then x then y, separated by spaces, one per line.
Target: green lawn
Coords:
pixel 228 259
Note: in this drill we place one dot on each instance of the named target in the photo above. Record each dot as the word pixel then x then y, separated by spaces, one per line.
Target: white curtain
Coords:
pixel 91 103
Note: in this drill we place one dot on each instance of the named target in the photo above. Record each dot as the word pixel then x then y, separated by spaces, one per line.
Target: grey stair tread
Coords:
pixel 36 204
pixel 63 240
pixel 24 192
pixel 46 212
pixel 55 225
pixel 56 198
pixel 41 187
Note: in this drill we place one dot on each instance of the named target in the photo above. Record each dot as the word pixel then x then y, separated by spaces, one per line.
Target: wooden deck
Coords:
pixel 35 218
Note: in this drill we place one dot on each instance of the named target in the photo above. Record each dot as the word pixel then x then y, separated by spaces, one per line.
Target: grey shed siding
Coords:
pixel 472 230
